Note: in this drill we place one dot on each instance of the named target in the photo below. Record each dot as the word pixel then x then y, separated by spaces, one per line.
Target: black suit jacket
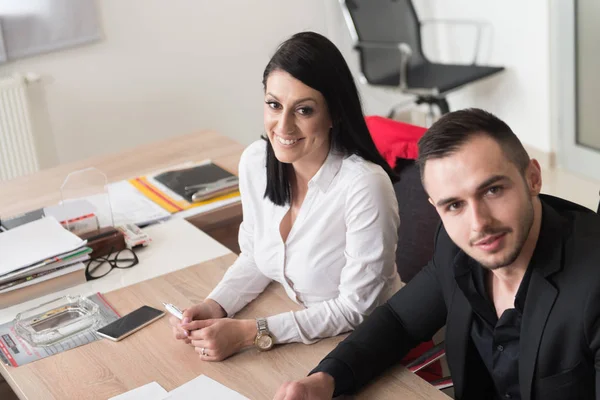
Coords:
pixel 560 329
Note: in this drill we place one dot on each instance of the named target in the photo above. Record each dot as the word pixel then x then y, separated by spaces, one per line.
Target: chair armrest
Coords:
pixel 429 357
pixel 479 25
pixel 443 383
pixel 403 48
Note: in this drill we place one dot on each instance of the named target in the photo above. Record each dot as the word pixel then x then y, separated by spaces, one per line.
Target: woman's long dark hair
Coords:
pixel 315 61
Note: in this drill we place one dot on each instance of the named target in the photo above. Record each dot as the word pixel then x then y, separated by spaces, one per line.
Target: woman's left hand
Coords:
pixel 217 339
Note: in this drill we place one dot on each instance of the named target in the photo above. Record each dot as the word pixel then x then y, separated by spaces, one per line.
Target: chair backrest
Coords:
pixel 387 21
pixel 418 221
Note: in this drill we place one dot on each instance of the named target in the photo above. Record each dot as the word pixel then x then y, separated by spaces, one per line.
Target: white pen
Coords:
pixel 173 310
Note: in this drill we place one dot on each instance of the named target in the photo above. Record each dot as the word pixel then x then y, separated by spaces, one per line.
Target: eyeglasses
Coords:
pixel 101 266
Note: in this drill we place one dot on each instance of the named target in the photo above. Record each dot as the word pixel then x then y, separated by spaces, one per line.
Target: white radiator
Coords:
pixel 18 156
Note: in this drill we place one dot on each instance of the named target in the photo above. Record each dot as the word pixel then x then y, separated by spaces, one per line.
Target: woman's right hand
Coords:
pixel 208 309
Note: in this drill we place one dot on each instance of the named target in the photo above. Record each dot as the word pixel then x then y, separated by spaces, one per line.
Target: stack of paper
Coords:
pixel 39 252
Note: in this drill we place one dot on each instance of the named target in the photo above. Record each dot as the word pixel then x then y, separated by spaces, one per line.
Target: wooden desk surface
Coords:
pixel 43 188
pixel 104 369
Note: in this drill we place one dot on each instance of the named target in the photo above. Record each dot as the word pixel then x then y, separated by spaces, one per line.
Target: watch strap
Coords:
pixel 262 326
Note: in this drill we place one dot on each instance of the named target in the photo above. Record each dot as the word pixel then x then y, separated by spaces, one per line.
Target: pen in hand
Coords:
pixel 177 313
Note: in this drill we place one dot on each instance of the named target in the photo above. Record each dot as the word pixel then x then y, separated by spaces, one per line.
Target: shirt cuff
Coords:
pixel 283 328
pixel 343 377
pixel 227 298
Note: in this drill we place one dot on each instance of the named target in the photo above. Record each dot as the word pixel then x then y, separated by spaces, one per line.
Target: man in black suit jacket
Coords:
pixel 515 277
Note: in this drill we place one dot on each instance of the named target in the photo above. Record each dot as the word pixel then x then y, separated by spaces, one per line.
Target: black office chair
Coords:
pixel 418 223
pixel 387 35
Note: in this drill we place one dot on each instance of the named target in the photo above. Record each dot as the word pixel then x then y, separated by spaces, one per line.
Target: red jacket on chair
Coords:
pixel 395 139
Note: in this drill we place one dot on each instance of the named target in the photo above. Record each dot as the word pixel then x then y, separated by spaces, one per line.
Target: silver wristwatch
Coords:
pixel 264 340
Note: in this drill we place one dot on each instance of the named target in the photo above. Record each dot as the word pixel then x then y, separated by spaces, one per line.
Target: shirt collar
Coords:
pixel 328 171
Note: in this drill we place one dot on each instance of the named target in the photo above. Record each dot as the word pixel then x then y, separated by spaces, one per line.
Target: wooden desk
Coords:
pixel 43 188
pixel 104 369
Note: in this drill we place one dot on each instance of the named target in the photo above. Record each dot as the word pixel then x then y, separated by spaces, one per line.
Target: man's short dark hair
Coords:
pixel 454 129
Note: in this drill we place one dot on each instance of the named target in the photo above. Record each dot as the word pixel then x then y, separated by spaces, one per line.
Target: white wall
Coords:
pixel 520 42
pixel 517 38
pixel 168 68
pixel 165 69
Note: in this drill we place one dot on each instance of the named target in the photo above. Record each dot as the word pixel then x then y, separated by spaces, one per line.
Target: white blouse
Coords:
pixel 339 257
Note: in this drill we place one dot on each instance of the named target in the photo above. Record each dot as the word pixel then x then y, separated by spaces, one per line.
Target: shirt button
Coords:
pixel 507 396
pixel 501 348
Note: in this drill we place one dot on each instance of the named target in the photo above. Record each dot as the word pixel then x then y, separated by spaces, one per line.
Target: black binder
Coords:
pixel 206 176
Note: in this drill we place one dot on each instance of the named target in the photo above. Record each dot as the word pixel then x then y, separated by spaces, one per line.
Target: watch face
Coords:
pixel 264 342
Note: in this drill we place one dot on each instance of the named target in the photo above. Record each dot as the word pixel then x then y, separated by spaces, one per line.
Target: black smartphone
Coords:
pixel 130 323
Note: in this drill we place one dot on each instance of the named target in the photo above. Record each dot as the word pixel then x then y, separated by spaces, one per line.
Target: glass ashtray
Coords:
pixel 56 320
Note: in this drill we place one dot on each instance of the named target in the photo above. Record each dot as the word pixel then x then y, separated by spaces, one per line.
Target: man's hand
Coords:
pixel 319 386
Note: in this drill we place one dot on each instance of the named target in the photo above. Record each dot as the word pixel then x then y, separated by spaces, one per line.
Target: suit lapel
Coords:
pixel 457 339
pixel 458 328
pixel 541 294
pixel 540 299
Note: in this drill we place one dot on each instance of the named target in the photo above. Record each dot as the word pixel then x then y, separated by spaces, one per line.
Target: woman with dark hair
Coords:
pixel 320 214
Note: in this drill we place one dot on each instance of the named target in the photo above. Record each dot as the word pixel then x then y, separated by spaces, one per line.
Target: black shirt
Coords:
pixel 496 339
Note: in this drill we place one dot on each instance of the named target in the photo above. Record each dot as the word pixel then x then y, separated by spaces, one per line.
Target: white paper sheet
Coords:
pixel 199 388
pixel 150 391
pixel 128 205
pixel 33 242
pixel 203 387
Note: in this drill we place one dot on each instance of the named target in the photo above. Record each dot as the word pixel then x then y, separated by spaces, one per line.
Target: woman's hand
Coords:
pixel 217 339
pixel 208 309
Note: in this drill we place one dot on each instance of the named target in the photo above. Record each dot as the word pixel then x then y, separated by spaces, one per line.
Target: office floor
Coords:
pixel 5 391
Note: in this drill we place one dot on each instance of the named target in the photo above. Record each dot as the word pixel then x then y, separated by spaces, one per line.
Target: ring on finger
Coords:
pixel 203 351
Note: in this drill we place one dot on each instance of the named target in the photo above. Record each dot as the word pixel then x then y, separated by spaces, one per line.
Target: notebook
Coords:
pixel 178 177
pixel 179 180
